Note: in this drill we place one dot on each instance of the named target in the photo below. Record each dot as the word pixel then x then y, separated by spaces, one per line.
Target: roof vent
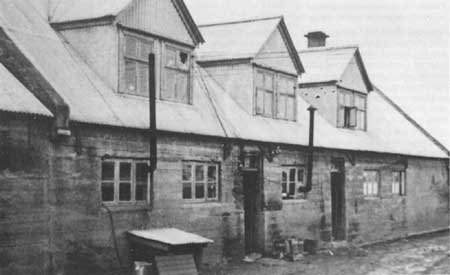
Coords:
pixel 316 39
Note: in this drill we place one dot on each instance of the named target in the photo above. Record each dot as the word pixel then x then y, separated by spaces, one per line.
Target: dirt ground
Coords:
pixel 420 255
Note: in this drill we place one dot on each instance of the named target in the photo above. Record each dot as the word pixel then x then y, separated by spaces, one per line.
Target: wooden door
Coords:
pixel 338 206
pixel 251 191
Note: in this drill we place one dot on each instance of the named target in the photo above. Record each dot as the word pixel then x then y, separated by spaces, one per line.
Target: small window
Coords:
pixel 124 181
pixel 200 181
pixel 135 71
pixel 352 110
pixel 398 183
pixel 371 183
pixel 291 179
pixel 176 77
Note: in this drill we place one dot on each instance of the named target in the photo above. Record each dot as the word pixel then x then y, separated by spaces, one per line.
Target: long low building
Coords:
pixel 236 161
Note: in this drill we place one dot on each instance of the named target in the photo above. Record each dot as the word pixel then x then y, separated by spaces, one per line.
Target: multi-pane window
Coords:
pixel 265 93
pixel 398 183
pixel 286 99
pixel 135 76
pixel 275 95
pixel 352 108
pixel 124 181
pixel 360 106
pixel 200 181
pixel 176 78
pixel 371 183
pixel 291 179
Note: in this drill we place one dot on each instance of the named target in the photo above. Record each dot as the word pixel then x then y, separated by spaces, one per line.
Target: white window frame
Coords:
pixel 116 181
pixel 265 90
pixel 275 92
pixel 371 188
pixel 136 59
pixel 206 182
pixel 285 185
pixel 290 96
pixel 177 69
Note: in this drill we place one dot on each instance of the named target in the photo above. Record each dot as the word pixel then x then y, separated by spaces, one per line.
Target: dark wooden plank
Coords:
pixel 176 265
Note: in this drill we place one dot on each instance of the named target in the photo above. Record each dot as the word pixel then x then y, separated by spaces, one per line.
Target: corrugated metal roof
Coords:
pixel 14 97
pixel 325 64
pixel 171 236
pixel 388 130
pixel 89 98
pixel 74 10
pixel 235 40
pixel 92 101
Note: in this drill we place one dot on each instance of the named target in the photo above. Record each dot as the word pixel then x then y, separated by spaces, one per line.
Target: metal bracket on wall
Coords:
pixel 351 156
pixel 269 151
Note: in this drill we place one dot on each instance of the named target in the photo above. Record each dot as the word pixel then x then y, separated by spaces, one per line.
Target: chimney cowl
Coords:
pixel 316 39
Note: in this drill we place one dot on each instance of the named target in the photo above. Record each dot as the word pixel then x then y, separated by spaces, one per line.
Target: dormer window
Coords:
pixel 352 109
pixel 275 95
pixel 136 51
pixel 176 77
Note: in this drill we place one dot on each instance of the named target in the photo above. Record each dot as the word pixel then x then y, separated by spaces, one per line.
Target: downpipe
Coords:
pixel 307 188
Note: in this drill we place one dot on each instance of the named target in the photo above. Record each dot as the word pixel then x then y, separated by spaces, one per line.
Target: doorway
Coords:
pixel 338 206
pixel 251 210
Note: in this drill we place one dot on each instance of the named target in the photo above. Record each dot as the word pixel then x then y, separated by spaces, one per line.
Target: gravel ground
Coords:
pixel 424 255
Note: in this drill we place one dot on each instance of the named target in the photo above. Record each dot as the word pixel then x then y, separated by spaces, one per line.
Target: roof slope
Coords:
pixel 75 10
pixel 63 11
pixel 89 98
pixel 247 38
pixel 388 130
pixel 327 64
pixel 92 101
pixel 14 97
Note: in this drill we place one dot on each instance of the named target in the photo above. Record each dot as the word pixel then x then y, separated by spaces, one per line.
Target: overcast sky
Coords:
pixel 404 43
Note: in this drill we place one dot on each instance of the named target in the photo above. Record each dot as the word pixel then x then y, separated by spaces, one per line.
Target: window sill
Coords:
pixel 294 201
pixel 371 198
pixel 125 207
pixel 276 118
pixel 193 203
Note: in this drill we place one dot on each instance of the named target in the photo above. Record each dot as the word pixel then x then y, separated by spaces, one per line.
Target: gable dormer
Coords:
pixel 256 62
pixel 337 84
pixel 115 39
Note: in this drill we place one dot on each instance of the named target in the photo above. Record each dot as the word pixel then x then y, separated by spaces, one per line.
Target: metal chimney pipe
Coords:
pixel 152 112
pixel 307 188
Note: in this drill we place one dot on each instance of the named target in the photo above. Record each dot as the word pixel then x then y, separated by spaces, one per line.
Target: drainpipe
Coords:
pixel 152 120
pixel 307 188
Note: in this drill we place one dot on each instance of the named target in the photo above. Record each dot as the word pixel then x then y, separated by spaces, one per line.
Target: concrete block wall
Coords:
pixel 24 209
pixel 53 221
pixel 368 219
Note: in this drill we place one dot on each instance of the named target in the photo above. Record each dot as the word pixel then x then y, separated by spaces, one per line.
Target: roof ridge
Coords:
pixel 323 49
pixel 249 20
